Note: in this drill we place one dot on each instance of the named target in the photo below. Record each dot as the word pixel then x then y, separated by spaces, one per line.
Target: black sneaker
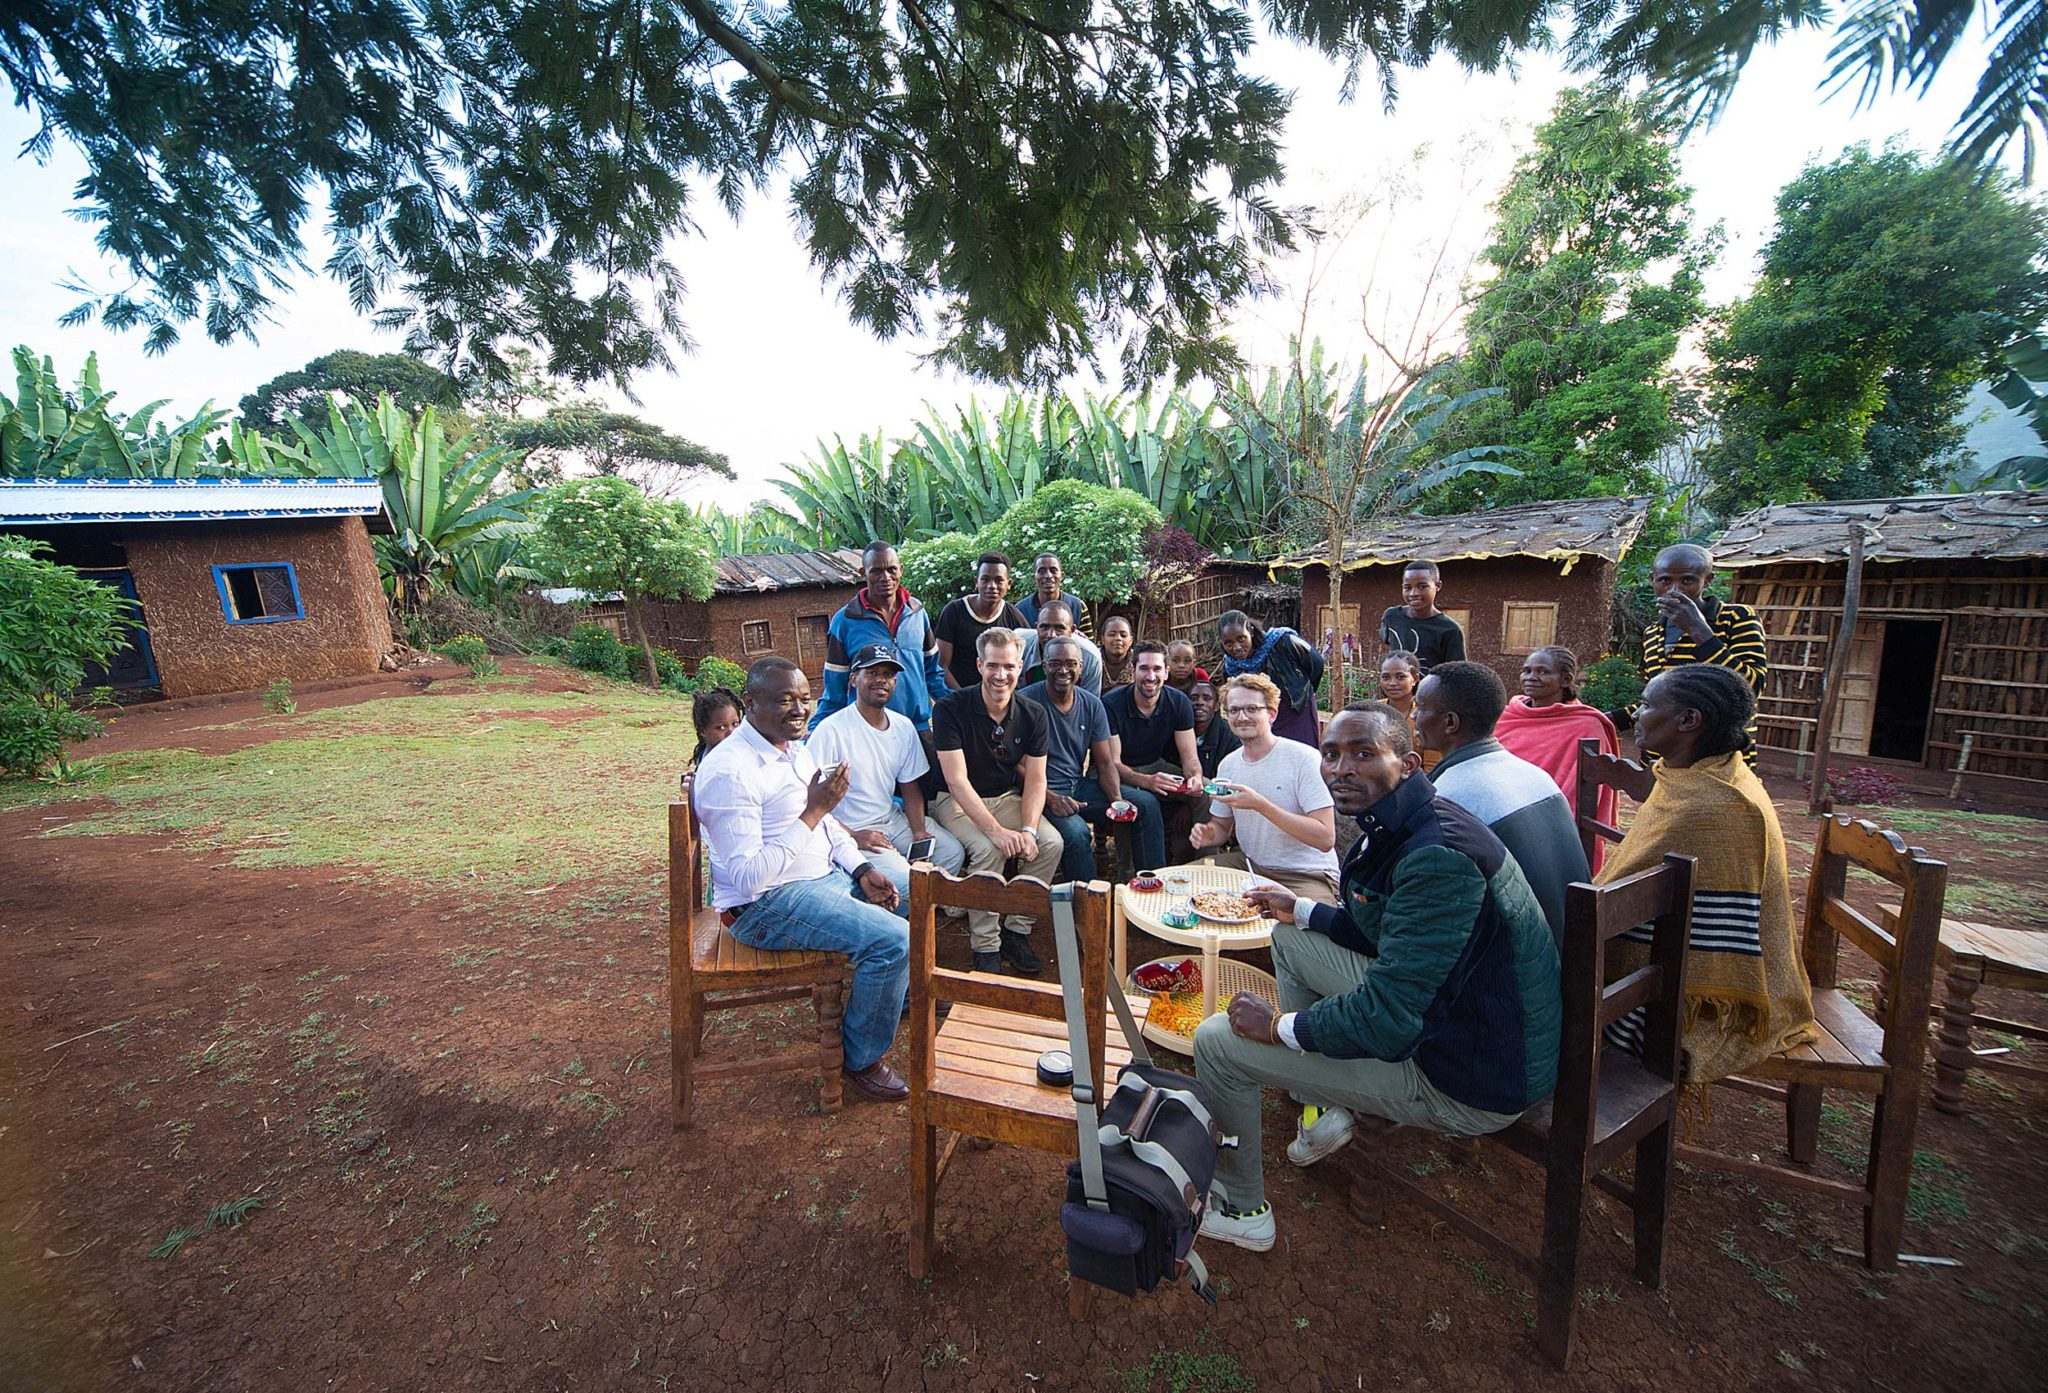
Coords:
pixel 1016 951
pixel 988 962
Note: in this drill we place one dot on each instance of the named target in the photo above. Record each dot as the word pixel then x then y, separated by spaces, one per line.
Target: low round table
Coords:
pixel 1147 911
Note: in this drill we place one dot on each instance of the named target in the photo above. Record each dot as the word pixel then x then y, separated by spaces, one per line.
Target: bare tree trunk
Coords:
pixel 637 621
pixel 1339 693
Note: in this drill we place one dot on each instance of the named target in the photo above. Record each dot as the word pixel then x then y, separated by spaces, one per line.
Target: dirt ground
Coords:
pixel 421 1140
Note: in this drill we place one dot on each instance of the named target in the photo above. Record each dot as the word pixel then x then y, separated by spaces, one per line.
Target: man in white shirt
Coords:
pixel 785 875
pixel 884 760
pixel 1279 809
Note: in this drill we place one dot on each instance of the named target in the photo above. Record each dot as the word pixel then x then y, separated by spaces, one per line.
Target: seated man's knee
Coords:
pixel 1212 1037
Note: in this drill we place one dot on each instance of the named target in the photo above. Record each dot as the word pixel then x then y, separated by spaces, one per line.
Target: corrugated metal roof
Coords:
pixel 755 572
pixel 1938 527
pixel 48 502
pixel 1557 531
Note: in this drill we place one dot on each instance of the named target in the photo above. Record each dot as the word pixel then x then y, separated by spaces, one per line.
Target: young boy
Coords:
pixel 1181 672
pixel 1417 625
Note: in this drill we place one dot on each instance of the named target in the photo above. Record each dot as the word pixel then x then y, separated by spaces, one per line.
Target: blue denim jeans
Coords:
pixel 1148 833
pixel 1077 861
pixel 829 915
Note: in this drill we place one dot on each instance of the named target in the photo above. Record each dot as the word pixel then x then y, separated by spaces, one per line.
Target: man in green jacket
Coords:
pixel 1429 999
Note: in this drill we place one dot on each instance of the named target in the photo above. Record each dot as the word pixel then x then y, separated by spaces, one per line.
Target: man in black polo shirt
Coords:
pixel 1156 755
pixel 992 746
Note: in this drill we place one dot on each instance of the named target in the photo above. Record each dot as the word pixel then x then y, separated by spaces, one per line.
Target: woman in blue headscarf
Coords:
pixel 1291 661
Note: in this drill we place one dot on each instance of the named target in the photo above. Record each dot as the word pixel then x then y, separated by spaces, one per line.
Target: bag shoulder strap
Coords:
pixel 1093 1186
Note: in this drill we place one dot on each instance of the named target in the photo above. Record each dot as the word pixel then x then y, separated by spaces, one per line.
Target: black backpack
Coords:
pixel 1135 1198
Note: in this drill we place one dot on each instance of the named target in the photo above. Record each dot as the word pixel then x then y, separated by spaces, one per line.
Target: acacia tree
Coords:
pixel 362 377
pixel 1593 274
pixel 1889 287
pixel 603 535
pixel 613 443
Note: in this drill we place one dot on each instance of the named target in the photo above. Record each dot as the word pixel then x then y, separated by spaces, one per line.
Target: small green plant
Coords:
pixel 721 672
pixel 173 1241
pixel 593 648
pixel 54 625
pixel 278 699
pixel 477 1232
pixel 1187 1371
pixel 472 652
pixel 231 1213
pixel 1611 684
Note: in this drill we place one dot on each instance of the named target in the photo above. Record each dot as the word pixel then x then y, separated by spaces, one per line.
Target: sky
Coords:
pixel 778 366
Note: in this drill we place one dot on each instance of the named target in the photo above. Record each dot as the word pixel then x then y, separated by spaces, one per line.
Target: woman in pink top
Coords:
pixel 1545 724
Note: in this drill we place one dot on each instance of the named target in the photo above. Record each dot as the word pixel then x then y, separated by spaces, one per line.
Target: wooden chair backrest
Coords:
pixel 931 889
pixel 1595 915
pixel 1598 771
pixel 1905 954
pixel 685 860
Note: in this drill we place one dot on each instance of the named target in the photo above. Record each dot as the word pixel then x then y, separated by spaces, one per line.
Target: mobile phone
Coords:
pixel 921 849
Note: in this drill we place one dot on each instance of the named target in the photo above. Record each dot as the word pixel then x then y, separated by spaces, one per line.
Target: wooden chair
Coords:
pixel 1881 1054
pixel 1607 1103
pixel 976 1074
pixel 710 970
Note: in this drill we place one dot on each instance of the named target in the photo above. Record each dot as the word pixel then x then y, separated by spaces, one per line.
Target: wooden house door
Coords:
pixel 1855 709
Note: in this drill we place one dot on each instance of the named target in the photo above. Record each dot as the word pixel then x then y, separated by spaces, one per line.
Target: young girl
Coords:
pixel 716 714
pixel 1400 675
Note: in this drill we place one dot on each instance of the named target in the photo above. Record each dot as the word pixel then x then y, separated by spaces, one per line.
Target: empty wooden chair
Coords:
pixel 710 970
pixel 1878 1053
pixel 1608 1104
pixel 976 1073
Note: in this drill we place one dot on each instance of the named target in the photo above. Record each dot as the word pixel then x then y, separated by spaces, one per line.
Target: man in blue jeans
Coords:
pixel 785 874
pixel 1078 728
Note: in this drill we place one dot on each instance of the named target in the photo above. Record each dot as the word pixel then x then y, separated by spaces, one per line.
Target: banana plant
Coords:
pixel 50 432
pixel 439 493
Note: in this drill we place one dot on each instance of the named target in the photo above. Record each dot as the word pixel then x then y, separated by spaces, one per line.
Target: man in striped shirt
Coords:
pixel 1695 627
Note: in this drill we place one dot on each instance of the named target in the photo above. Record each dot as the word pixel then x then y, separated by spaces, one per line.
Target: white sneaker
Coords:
pixel 1253 1231
pixel 1329 1133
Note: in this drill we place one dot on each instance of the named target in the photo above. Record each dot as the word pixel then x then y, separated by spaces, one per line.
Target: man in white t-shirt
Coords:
pixel 1277 808
pixel 884 759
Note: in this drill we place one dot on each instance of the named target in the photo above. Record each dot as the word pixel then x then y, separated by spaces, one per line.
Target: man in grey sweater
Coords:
pixel 1456 708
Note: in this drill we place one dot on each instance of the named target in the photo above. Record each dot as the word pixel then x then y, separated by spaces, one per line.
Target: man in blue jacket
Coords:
pixel 1429 999
pixel 882 611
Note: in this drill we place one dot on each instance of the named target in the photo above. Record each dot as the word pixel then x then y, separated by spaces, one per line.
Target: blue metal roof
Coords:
pixel 54 502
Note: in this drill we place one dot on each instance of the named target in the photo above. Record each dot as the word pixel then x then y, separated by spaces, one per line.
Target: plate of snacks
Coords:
pixel 1223 907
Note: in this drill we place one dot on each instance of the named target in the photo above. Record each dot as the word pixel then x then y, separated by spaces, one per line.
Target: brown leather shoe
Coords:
pixel 878 1083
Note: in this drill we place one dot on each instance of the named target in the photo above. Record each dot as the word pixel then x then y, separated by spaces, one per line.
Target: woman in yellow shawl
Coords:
pixel 1746 993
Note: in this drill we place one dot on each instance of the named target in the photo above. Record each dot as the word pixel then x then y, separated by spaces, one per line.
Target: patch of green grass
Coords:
pixel 370 785
pixel 477 1232
pixel 1198 1370
pixel 1483 1276
pixel 230 1214
pixel 1989 899
pixel 2004 826
pixel 1760 1272
pixel 1936 1190
pixel 173 1241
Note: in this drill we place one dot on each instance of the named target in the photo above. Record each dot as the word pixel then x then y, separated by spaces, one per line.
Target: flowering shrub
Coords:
pixel 1864 785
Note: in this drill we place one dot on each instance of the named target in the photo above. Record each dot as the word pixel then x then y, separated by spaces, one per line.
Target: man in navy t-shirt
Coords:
pixel 1156 754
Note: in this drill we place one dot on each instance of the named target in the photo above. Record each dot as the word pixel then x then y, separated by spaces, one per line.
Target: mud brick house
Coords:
pixel 1947 666
pixel 1514 578
pixel 763 603
pixel 239 581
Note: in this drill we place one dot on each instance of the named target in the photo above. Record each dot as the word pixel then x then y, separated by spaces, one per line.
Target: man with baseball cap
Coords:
pixel 884 761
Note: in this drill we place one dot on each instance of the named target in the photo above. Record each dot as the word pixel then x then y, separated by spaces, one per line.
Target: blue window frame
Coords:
pixel 262 592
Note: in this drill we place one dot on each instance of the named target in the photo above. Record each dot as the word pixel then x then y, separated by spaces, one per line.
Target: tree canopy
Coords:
pixel 363 377
pixel 1888 288
pixel 615 443
pixel 1029 181
pixel 1594 273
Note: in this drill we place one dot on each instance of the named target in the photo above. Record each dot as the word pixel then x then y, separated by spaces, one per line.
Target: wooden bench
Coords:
pixel 976 1073
pixel 710 970
pixel 1881 1055
pixel 1607 1104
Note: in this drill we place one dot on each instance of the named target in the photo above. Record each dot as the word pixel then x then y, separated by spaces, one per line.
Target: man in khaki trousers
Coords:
pixel 992 746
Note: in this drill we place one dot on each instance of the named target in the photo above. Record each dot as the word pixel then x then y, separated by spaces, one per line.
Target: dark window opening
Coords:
pixel 1905 688
pixel 253 594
